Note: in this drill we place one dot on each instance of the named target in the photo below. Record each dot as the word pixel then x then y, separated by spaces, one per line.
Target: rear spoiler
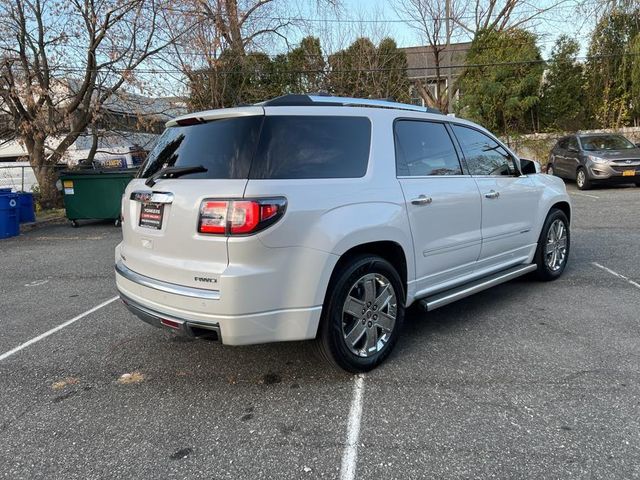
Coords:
pixel 206 116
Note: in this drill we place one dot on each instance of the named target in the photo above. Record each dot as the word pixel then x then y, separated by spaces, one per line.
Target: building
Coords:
pixel 421 66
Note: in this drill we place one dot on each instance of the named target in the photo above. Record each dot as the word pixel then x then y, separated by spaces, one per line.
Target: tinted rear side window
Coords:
pixel 312 147
pixel 424 148
pixel 572 143
pixel 224 147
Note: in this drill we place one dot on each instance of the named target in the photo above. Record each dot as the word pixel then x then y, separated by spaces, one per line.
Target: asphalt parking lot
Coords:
pixel 527 380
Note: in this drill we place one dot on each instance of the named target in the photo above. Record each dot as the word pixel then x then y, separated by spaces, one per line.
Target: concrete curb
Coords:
pixel 27 227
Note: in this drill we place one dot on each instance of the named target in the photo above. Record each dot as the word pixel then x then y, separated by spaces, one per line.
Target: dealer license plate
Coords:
pixel 151 215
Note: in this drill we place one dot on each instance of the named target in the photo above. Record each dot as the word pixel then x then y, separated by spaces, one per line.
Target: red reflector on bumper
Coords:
pixel 171 323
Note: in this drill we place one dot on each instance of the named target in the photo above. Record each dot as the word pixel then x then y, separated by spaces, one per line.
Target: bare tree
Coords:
pixel 241 23
pixel 222 58
pixel 433 20
pixel 502 15
pixel 62 61
pixel 440 21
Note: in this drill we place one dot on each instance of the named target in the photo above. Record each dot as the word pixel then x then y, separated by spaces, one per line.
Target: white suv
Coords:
pixel 322 217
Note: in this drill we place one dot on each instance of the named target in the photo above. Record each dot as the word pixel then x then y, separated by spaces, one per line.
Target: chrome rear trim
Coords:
pixel 450 296
pixel 149 282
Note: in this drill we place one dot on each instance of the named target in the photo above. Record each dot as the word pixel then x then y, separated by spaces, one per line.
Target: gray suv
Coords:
pixel 595 158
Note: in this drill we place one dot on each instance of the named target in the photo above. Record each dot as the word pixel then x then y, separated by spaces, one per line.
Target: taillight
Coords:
pixel 239 217
pixel 245 216
pixel 213 217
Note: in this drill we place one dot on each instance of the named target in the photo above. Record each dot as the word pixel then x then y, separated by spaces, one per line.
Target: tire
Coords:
pixel 637 184
pixel 346 340
pixel 582 179
pixel 75 224
pixel 117 222
pixel 548 270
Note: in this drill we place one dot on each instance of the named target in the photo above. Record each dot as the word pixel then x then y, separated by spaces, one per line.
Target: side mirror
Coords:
pixel 529 167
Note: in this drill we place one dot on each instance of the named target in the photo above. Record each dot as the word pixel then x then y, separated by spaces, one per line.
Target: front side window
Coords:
pixel 483 154
pixel 424 148
pixel 295 147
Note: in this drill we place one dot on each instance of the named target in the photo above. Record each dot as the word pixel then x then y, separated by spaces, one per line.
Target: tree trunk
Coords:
pixel 94 145
pixel 49 195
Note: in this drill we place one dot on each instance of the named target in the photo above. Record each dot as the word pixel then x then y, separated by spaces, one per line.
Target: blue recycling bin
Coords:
pixel 9 215
pixel 27 212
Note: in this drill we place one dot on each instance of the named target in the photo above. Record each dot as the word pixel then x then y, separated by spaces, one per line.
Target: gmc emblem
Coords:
pixel 143 197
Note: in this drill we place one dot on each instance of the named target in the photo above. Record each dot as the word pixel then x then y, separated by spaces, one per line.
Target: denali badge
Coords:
pixel 205 279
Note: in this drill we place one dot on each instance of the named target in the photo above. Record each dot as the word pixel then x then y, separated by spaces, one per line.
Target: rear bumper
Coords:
pixel 160 320
pixel 195 316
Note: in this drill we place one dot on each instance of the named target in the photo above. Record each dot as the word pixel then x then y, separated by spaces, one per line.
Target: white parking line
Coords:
pixel 584 194
pixel 616 274
pixel 350 452
pixel 55 329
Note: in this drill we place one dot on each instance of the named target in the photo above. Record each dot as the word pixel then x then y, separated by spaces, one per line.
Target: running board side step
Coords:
pixel 449 296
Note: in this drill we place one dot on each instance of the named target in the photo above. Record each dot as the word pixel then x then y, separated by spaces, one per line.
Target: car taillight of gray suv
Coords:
pixel 317 217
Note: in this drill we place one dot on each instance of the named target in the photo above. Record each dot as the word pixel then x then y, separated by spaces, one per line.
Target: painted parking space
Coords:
pixel 524 380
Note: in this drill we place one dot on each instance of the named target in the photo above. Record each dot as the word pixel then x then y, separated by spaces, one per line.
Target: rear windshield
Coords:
pixel 224 147
pixel 606 142
pixel 272 147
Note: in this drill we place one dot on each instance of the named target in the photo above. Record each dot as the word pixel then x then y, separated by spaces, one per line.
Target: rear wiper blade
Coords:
pixel 173 172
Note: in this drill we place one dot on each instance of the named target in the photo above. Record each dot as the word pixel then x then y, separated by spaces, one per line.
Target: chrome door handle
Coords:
pixel 422 200
pixel 492 194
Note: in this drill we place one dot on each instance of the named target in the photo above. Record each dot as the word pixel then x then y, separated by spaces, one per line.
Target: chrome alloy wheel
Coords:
pixel 369 315
pixel 555 252
pixel 581 178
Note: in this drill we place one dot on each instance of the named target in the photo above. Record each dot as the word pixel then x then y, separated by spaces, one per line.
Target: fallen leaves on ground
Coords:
pixel 133 377
pixel 60 384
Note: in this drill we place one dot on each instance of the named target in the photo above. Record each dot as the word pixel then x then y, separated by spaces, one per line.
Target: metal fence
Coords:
pixel 21 177
pixel 18 175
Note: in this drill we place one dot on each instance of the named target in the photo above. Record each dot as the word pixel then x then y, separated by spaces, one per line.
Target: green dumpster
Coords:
pixel 94 194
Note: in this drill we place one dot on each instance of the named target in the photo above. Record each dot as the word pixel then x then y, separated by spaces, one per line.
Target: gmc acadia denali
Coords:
pixel 318 217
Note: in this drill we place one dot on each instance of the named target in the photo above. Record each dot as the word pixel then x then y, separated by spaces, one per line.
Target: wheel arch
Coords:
pixel 564 207
pixel 390 250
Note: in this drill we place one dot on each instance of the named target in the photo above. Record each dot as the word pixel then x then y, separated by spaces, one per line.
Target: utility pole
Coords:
pixel 449 54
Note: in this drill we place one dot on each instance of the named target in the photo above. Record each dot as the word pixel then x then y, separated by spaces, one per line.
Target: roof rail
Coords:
pixel 327 100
